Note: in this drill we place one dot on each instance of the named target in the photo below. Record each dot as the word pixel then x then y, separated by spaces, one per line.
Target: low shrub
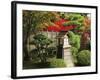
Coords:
pixel 83 58
pixel 57 63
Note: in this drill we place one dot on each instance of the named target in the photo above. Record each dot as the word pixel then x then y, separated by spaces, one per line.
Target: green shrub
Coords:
pixel 74 52
pixel 83 58
pixel 74 39
pixel 42 42
pixel 57 63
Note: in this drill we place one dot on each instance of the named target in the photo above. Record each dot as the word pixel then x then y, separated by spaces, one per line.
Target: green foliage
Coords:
pixel 57 63
pixel 41 40
pixel 74 52
pixel 74 39
pixel 77 41
pixel 75 19
pixel 41 43
pixel 76 23
pixel 83 58
pixel 37 20
pixel 74 16
pixel 54 63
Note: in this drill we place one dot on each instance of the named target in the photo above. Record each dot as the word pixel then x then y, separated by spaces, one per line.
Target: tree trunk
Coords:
pixel 25 40
pixel 25 51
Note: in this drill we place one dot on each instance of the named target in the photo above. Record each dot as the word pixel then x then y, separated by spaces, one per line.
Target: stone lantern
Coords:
pixel 63 44
pixel 64 51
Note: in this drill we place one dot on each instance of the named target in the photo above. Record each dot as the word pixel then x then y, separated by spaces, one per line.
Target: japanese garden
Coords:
pixel 56 39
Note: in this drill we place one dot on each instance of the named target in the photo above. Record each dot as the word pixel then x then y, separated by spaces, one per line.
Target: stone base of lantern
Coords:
pixel 68 56
pixel 66 46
